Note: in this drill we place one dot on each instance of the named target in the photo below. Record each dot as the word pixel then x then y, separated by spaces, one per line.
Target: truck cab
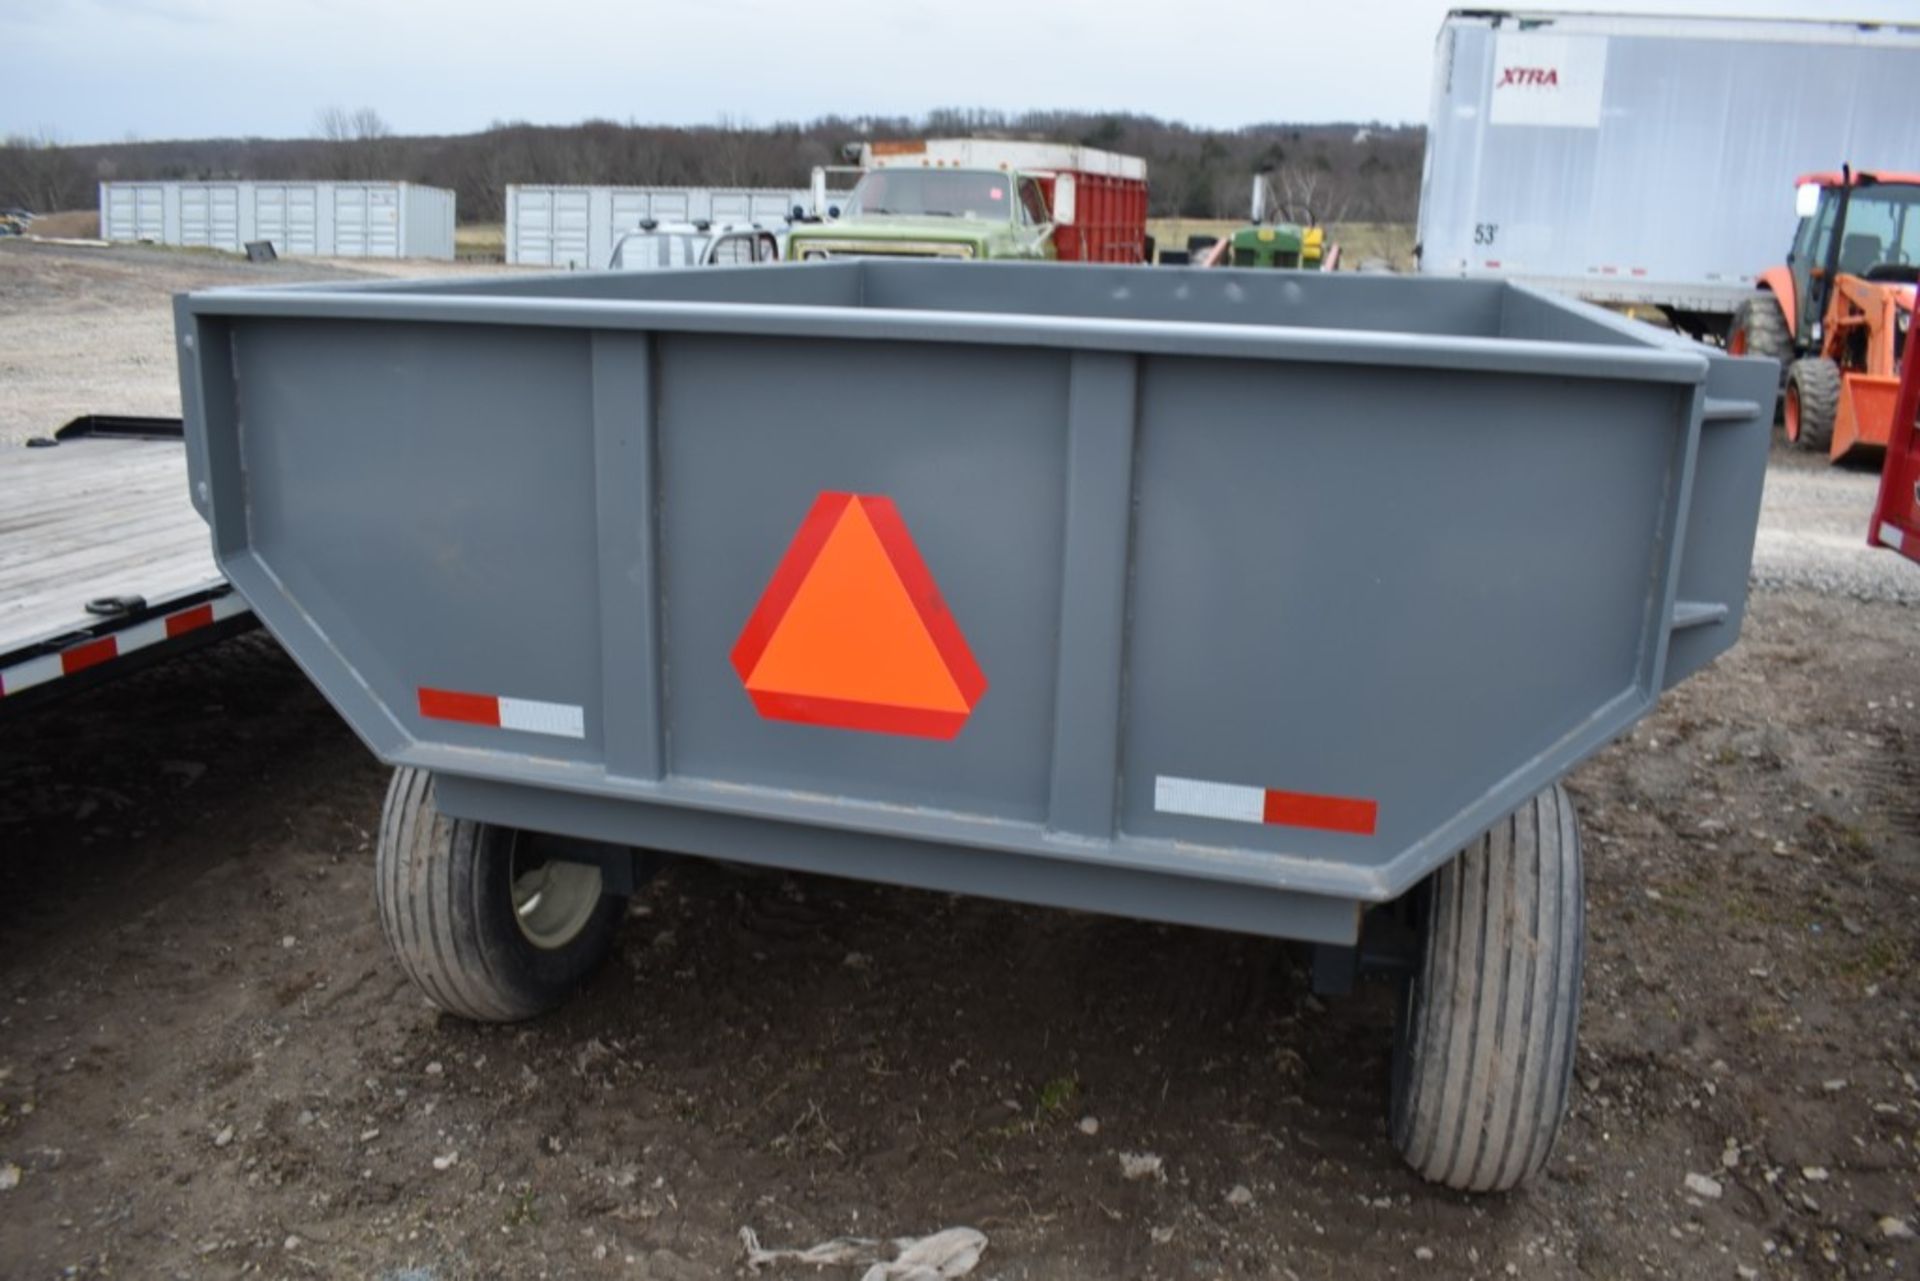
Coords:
pixel 965 214
pixel 654 245
pixel 1857 224
pixel 1837 312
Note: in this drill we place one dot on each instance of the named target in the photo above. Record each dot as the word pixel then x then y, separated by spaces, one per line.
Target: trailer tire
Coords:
pixel 1812 402
pixel 1759 328
pixel 1483 1051
pixel 457 903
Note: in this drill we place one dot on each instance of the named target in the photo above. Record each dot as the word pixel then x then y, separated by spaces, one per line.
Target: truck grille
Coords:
pixel 883 249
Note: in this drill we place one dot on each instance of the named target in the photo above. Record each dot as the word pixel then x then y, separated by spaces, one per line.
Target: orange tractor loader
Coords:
pixel 1836 315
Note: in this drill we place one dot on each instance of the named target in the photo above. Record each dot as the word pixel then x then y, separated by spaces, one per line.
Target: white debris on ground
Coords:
pixel 1703 1185
pixel 1141 1165
pixel 940 1257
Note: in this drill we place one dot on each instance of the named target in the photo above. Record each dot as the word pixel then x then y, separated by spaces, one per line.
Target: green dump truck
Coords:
pixel 975 199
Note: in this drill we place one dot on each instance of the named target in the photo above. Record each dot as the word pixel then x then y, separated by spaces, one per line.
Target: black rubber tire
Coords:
pixel 1813 385
pixel 445 892
pixel 1759 328
pixel 1483 1055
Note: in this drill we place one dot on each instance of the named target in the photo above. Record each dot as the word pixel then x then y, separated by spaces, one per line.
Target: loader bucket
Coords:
pixel 1865 417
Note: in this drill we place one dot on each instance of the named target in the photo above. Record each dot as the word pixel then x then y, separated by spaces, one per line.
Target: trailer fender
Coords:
pixel 1778 281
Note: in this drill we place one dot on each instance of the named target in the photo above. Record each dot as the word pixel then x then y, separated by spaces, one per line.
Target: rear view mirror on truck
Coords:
pixel 1063 191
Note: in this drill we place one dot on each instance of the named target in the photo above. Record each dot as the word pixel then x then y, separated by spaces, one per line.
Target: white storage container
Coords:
pixel 576 227
pixel 324 219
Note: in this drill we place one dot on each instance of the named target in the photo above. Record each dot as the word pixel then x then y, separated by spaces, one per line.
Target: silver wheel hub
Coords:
pixel 553 900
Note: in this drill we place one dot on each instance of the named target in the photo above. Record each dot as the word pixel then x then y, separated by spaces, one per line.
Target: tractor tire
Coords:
pixel 1483 1052
pixel 1812 402
pixel 1759 328
pixel 483 930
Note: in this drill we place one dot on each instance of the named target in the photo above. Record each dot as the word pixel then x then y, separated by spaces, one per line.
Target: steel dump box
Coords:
pixel 1238 599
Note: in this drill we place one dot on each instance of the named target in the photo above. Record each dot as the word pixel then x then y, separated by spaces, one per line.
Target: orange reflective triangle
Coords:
pixel 852 632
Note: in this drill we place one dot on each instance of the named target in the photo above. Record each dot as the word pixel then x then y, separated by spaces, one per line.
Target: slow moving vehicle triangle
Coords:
pixel 851 633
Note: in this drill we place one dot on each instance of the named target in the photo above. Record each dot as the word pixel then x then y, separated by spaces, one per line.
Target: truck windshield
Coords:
pixel 640 251
pixel 932 193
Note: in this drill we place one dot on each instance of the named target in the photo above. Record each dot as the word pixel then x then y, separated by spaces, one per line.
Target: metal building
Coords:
pixel 324 219
pixel 575 227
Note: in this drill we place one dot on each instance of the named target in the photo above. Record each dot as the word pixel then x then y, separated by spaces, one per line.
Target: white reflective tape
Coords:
pixel 35 671
pixel 140 635
pixel 1200 799
pixel 1892 537
pixel 563 720
pixel 227 606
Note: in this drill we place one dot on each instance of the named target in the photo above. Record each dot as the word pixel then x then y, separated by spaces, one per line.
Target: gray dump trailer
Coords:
pixel 1269 602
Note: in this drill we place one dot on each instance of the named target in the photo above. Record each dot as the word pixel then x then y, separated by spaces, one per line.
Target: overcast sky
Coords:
pixel 104 70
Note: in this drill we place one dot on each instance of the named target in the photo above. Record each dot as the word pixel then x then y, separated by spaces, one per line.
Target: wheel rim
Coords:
pixel 1793 413
pixel 552 900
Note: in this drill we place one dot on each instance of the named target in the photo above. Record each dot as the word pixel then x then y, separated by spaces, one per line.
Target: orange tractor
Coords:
pixel 1836 315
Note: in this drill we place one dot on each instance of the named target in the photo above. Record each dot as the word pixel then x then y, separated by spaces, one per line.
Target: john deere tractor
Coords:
pixel 1284 244
pixel 1300 245
pixel 1836 314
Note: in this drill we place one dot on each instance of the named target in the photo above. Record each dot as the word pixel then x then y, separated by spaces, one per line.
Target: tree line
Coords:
pixel 1349 172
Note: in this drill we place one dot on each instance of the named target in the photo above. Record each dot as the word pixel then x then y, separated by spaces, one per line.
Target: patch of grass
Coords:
pixel 68 224
pixel 481 241
pixel 1392 241
pixel 1056 1096
pixel 1884 956
pixel 524 1211
pixel 1749 910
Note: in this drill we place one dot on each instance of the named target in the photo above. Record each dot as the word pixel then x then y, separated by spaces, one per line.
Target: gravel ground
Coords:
pixel 1813 532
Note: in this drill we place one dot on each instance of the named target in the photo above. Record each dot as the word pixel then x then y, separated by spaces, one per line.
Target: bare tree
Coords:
pixel 38 172
pixel 1311 192
pixel 357 142
pixel 1348 172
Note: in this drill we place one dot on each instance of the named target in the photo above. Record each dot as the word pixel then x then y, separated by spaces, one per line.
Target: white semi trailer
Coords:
pixel 1649 160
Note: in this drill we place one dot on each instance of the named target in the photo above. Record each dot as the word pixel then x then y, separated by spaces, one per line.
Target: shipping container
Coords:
pixel 324 219
pixel 1650 160
pixel 576 227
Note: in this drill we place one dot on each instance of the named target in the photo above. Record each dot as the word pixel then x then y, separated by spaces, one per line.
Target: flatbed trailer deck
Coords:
pixel 104 564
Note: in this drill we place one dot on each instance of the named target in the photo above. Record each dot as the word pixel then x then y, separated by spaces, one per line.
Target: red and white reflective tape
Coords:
pixel 103 649
pixel 1235 803
pixel 528 715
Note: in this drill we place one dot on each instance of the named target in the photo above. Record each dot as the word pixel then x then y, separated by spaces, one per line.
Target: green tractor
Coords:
pixel 1281 244
pixel 1297 246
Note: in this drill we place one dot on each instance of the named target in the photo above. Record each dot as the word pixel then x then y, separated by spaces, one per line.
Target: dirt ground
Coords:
pixel 209 1066
pixel 91 330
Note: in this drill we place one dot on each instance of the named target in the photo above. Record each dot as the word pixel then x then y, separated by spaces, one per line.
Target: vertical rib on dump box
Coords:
pixel 1280 587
